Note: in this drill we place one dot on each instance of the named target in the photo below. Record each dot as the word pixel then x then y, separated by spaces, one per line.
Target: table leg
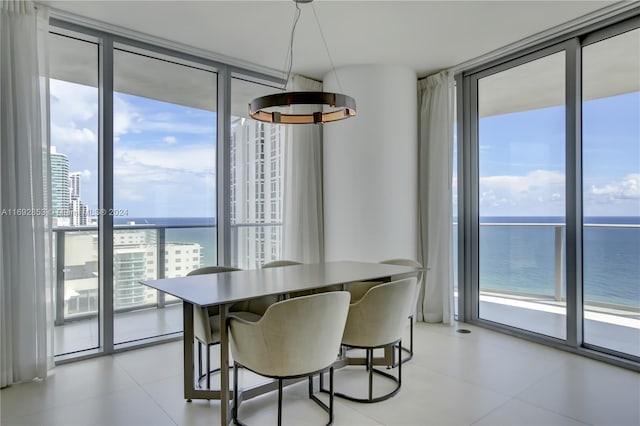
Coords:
pixel 224 366
pixel 187 320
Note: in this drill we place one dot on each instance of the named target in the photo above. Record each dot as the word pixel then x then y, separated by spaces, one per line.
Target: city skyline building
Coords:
pixel 66 204
pixel 257 164
pixel 74 185
pixel 60 196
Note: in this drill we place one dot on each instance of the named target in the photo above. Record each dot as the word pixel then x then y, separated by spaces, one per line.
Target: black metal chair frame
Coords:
pixel 404 349
pixel 369 366
pixel 201 375
pixel 325 407
pixel 203 271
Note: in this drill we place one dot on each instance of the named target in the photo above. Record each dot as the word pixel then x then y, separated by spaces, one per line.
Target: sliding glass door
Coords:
pixel 521 163
pixel 551 202
pixel 74 163
pixel 164 184
pixel 611 192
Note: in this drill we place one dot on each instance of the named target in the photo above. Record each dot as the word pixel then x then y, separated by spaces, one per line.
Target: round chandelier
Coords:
pixel 303 107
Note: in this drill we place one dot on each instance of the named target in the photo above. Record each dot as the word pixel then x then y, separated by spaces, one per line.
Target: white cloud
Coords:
pixel 74 120
pixel 170 139
pixel 124 117
pixel 127 118
pixel 71 135
pixel 72 103
pixel 537 193
pixel 160 176
pixel 628 188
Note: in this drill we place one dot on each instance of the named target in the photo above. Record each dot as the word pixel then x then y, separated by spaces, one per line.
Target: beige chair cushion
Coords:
pixel 357 289
pixel 418 274
pixel 294 337
pixel 379 317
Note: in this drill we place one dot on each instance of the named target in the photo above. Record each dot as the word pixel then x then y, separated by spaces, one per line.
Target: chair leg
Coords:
pixel 199 359
pixel 370 367
pixel 410 337
pixel 279 402
pixel 311 386
pixel 235 394
pixel 208 367
pixel 330 395
pixel 400 364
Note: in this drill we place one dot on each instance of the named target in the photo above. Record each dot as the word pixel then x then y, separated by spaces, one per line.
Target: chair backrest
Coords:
pixel 379 317
pixel 294 337
pixel 420 276
pixel 276 263
pixel 201 327
pixel 212 270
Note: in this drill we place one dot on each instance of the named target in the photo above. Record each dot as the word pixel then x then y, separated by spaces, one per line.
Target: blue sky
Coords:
pixel 522 160
pixel 164 156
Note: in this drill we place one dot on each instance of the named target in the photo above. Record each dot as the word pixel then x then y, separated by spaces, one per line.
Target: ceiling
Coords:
pixel 426 36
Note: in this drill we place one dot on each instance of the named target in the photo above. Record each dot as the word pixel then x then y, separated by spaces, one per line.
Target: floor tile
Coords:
pixel 152 363
pixel 426 398
pixel 65 385
pixel 589 391
pixel 130 407
pixel 519 413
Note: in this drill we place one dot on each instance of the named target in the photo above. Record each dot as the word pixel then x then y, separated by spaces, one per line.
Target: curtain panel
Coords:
pixel 303 229
pixel 435 241
pixel 26 324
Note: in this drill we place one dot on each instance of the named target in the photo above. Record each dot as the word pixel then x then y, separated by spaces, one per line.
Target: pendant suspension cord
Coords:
pixel 290 53
pixel 333 67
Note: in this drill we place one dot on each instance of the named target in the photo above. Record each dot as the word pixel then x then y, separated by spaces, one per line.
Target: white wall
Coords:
pixel 370 166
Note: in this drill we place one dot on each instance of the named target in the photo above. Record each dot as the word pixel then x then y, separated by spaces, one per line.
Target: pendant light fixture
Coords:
pixel 318 107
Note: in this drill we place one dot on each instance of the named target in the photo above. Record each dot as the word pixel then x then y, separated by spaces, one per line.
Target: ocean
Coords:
pixel 521 258
pixel 515 258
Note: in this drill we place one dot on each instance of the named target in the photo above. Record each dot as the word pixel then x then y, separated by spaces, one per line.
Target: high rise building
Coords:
pixel 135 258
pixel 257 163
pixel 78 213
pixel 74 185
pixel 60 196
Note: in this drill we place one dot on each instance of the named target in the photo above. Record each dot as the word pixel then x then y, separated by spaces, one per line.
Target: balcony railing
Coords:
pixel 558 261
pixel 146 251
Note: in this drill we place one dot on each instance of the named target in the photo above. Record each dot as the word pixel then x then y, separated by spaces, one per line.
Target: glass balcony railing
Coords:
pixel 522 280
pixel 140 252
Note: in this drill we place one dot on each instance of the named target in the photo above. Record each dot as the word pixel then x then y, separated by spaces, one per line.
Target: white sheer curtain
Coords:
pixel 303 233
pixel 435 146
pixel 25 233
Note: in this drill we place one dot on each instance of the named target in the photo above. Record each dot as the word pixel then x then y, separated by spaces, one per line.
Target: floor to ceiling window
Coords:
pixel 521 160
pixel 611 192
pixel 74 184
pixel 551 140
pixel 136 177
pixel 164 193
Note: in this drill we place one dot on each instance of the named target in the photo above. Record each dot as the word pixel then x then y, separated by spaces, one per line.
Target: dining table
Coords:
pixel 226 288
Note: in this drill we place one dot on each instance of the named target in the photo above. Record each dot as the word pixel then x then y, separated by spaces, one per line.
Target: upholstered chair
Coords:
pixel 419 283
pixel 206 323
pixel 279 263
pixel 377 321
pixel 296 337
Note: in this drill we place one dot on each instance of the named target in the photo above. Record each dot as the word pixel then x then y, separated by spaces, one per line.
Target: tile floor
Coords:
pixel 482 378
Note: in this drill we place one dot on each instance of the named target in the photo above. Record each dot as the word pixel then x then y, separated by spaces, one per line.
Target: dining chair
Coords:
pixel 294 338
pixel 419 283
pixel 377 321
pixel 206 323
pixel 279 263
